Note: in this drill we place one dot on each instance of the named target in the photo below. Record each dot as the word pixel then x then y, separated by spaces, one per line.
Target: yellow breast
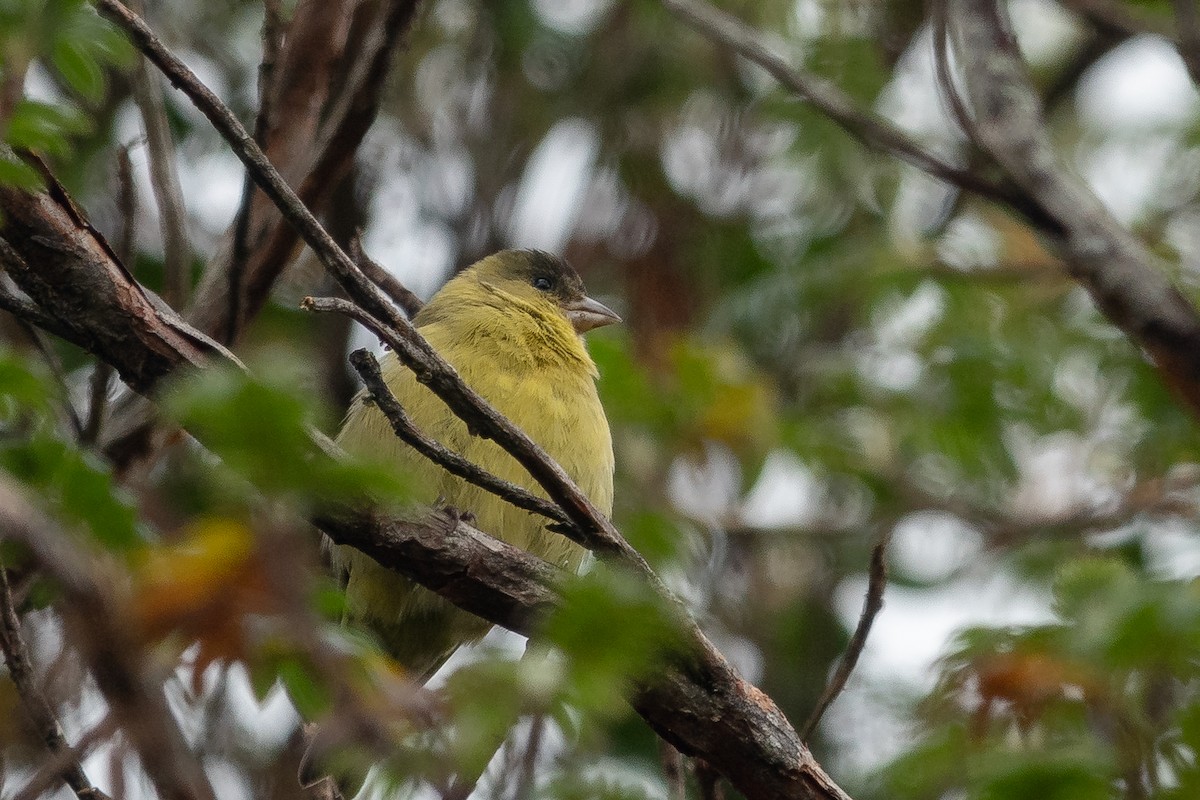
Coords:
pixel 548 393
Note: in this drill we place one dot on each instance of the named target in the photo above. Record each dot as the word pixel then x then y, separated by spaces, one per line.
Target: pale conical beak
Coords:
pixel 587 313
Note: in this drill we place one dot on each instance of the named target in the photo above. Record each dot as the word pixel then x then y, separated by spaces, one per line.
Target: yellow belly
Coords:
pixel 558 408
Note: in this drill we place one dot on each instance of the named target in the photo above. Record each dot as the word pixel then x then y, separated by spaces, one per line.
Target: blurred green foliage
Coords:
pixel 262 428
pixel 72 481
pixel 791 299
pixel 1099 704
pixel 66 42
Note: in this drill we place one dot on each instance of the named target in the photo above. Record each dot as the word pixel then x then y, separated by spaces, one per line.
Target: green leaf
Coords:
pixel 80 70
pixel 89 495
pixel 1071 773
pixel 260 426
pixel 19 175
pixel 613 629
pixel 310 696
pixel 43 127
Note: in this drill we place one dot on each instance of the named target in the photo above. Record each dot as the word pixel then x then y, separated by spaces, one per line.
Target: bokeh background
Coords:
pixel 821 347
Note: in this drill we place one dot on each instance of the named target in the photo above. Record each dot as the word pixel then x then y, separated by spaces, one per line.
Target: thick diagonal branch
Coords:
pixel 1127 282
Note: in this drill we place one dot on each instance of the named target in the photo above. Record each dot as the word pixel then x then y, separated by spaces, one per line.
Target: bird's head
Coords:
pixel 546 283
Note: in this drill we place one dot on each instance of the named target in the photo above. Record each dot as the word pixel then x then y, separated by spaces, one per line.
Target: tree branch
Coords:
pixel 873 131
pixel 409 303
pixel 20 669
pixel 78 278
pixel 696 702
pixel 368 369
pixel 164 180
pixel 872 603
pixel 1123 278
pixel 136 702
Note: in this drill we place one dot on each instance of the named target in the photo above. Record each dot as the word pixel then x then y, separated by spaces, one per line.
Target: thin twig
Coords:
pixel 58 371
pixel 30 318
pixel 1187 18
pixel 50 772
pixel 20 669
pixel 126 249
pixel 673 771
pixel 872 603
pixel 127 206
pixel 272 39
pixel 709 780
pixel 103 635
pixel 942 45
pixel 523 786
pixel 164 180
pixel 409 303
pixel 12 82
pixel 368 369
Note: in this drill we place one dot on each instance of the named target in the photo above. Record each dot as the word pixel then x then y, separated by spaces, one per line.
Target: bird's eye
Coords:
pixel 543 284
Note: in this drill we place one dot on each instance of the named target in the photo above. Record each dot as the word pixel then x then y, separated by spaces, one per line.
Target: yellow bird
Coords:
pixel 512 326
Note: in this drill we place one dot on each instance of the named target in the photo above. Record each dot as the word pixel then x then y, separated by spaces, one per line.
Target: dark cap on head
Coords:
pixel 552 275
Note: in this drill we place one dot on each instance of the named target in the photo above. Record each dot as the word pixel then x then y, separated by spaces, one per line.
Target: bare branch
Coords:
pixel 368 369
pixel 136 702
pixel 1125 280
pixel 272 35
pixel 164 180
pixel 20 669
pixel 868 128
pixel 872 603
pixel 49 774
pixel 409 303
